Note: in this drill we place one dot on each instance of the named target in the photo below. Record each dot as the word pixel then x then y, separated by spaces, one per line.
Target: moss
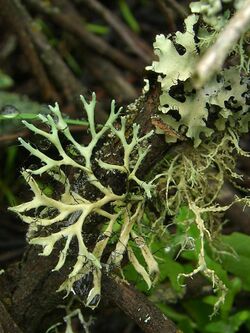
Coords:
pixel 194 178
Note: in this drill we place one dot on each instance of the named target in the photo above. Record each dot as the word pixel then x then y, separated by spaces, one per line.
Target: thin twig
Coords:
pixel 11 11
pixel 111 78
pixel 180 9
pixel 62 75
pixel 116 84
pixel 5 138
pixel 214 58
pixel 137 45
pixel 168 13
pixel 58 69
pixel 66 16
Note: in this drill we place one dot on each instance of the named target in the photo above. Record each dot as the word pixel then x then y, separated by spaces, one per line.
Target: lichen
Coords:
pixel 212 118
pixel 194 178
pixel 186 109
pixel 212 11
pixel 61 220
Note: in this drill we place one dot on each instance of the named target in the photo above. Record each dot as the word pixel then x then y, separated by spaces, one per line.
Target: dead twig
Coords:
pixel 62 75
pixel 66 16
pixel 137 45
pixel 111 78
pixel 116 83
pixel 180 9
pixel 10 12
pixel 214 58
pixel 71 87
pixel 5 138
pixel 168 13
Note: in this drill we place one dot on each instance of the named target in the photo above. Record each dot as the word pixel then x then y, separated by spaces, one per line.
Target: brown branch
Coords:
pixel 57 68
pixel 34 293
pixel 7 324
pixel 136 305
pixel 62 75
pixel 111 78
pixel 179 8
pixel 5 138
pixel 66 16
pixel 137 45
pixel 10 13
pixel 168 13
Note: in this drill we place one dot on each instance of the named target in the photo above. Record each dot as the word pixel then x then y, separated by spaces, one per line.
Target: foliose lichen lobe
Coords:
pixel 188 110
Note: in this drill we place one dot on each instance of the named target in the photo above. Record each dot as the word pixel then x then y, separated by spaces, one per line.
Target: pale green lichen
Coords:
pixel 223 96
pixel 212 11
pixel 213 117
pixel 72 313
pixel 171 65
pixel 72 210
pixel 215 15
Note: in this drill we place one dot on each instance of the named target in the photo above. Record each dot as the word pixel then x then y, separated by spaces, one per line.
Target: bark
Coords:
pixel 7 323
pixel 136 306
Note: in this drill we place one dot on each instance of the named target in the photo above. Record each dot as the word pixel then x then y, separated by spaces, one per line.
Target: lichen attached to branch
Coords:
pixel 61 220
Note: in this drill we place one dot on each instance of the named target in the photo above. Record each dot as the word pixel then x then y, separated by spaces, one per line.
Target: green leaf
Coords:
pixel 128 16
pixel 198 311
pixel 171 313
pixel 171 269
pixel 184 214
pixel 5 81
pixel 240 265
pixel 231 325
pixel 239 242
pixel 218 268
pixel 186 325
pixel 97 28
pixel 234 288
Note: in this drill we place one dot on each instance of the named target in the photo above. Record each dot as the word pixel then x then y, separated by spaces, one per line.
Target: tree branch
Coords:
pixel 136 305
pixel 7 324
